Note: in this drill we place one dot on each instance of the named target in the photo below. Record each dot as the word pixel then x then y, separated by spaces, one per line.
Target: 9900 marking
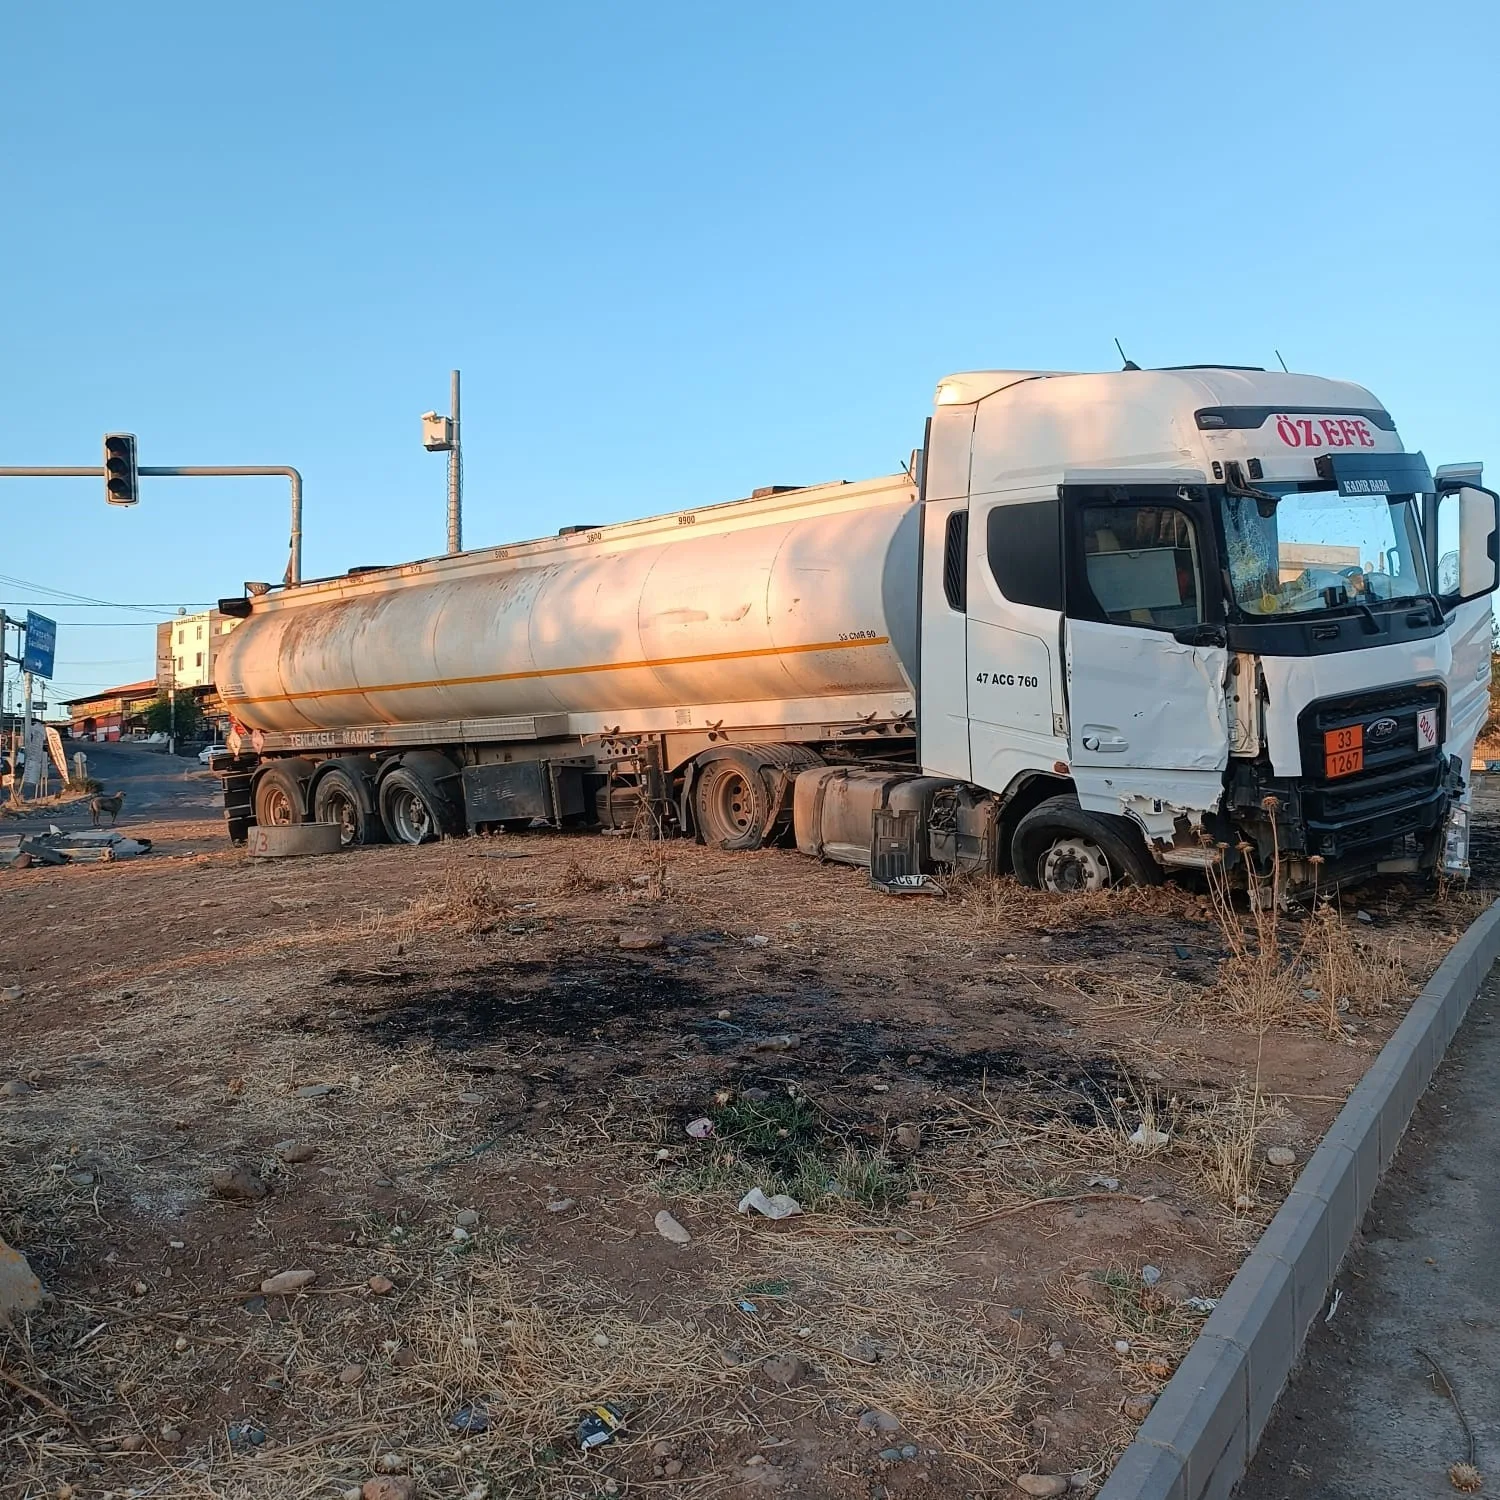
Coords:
pixel 1006 679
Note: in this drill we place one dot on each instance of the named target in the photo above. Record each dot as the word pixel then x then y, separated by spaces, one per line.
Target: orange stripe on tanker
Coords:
pixel 612 666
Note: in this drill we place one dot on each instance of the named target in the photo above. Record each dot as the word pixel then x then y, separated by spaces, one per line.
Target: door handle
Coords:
pixel 1101 739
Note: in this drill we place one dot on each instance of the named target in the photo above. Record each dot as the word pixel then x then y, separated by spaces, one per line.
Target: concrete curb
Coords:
pixel 1199 1436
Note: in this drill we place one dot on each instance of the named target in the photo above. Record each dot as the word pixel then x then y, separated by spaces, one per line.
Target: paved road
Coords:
pixel 1362 1419
pixel 158 789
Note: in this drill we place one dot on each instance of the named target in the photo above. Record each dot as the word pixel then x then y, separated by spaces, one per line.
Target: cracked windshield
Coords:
pixel 1321 550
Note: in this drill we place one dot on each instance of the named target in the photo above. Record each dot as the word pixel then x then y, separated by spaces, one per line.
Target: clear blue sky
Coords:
pixel 680 251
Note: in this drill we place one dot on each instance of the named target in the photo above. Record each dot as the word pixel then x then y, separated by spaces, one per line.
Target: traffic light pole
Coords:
pixel 195 471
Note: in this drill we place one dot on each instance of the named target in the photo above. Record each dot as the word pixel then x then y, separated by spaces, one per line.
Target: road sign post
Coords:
pixel 39 654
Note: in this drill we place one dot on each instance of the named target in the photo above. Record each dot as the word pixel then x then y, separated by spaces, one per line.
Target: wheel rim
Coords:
pixel 410 818
pixel 732 804
pixel 275 809
pixel 1073 864
pixel 339 808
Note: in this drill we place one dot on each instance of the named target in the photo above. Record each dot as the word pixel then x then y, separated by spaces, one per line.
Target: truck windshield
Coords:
pixel 1319 550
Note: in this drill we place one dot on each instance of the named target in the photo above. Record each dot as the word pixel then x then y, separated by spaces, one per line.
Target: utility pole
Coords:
pixel 455 479
pixel 5 702
pixel 31 770
pixel 172 682
pixel 442 435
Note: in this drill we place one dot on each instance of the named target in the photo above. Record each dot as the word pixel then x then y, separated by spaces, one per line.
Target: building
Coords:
pixel 114 714
pixel 187 649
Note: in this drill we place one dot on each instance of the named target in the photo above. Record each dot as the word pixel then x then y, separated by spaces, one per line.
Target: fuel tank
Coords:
pixel 799 594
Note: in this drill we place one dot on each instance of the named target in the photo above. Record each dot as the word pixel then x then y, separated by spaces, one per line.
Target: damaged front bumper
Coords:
pixel 1328 834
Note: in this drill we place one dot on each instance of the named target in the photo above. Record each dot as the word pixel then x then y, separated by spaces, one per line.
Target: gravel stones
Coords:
pixel 294 1151
pixel 20 1290
pixel 284 1283
pixel 238 1185
pixel 669 1229
pixel 785 1369
pixel 389 1487
pixel 1042 1485
pixel 639 942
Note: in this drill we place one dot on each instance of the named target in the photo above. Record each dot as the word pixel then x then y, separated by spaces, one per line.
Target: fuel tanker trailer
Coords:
pixel 1104 626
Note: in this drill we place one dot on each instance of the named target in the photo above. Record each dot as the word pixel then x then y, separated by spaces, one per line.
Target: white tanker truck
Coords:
pixel 1107 625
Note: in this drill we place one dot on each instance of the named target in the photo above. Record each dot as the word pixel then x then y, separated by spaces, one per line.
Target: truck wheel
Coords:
pixel 1058 846
pixel 278 797
pixel 406 810
pixel 414 807
pixel 339 798
pixel 732 803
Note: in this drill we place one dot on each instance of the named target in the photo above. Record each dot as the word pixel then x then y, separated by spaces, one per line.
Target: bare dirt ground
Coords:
pixel 456 1083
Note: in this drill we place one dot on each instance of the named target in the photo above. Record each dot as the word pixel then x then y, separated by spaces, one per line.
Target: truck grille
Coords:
pixel 1399 790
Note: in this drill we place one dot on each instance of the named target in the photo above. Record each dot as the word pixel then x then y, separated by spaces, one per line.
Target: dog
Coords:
pixel 99 803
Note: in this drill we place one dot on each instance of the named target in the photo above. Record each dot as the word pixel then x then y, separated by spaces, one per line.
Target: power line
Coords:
pixel 46 588
pixel 116 662
pixel 82 604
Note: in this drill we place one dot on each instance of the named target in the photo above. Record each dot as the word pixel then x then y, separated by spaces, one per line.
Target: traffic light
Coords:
pixel 121 484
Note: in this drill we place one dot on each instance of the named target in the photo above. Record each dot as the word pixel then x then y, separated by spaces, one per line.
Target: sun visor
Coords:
pixel 1376 473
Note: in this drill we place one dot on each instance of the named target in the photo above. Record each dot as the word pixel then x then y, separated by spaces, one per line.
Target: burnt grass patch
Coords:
pixel 613 1021
pixel 567 1002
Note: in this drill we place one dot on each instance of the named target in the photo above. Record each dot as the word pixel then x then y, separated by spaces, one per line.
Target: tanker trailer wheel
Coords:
pixel 1058 846
pixel 340 797
pixel 278 796
pixel 413 805
pixel 732 802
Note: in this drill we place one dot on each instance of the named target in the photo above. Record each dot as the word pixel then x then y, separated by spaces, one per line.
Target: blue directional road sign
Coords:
pixel 41 645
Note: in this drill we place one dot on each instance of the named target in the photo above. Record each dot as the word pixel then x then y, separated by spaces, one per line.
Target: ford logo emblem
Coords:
pixel 1381 729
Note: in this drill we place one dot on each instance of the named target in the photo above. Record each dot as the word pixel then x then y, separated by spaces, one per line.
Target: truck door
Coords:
pixel 1461 520
pixel 1146 654
pixel 1014 655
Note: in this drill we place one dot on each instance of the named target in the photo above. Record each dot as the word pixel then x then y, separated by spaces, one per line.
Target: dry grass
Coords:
pixel 878 1292
pixel 1117 1305
pixel 865 1314
pixel 1358 974
pixel 1230 1134
pixel 1009 905
pixel 1276 974
pixel 574 879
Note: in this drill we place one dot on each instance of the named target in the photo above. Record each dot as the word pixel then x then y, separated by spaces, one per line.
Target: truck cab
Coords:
pixel 1174 618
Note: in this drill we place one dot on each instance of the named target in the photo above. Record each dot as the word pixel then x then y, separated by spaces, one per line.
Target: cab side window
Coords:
pixel 1143 564
pixel 1024 545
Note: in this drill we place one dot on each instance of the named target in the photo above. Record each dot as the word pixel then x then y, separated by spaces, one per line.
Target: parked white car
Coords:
pixel 207 753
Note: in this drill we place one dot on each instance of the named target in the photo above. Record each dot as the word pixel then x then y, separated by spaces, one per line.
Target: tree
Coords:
pixel 157 717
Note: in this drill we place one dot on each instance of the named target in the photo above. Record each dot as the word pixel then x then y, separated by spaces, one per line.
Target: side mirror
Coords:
pixel 1478 523
pixel 1468 544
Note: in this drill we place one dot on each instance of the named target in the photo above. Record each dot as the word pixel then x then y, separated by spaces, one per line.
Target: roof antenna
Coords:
pixel 1130 364
pixel 1277 353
